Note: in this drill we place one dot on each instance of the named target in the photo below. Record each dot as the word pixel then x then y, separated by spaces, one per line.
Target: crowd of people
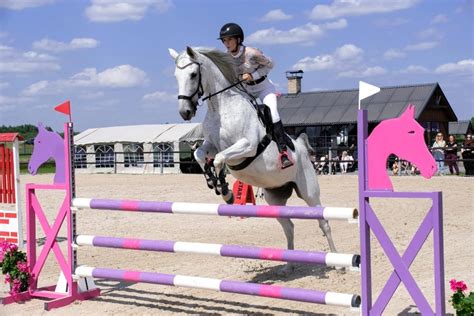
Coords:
pixel 343 163
pixel 446 154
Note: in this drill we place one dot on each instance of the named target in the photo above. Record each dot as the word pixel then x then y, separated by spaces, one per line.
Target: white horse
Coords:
pixel 232 133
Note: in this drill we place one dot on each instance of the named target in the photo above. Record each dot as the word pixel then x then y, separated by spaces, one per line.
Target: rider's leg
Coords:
pixel 269 98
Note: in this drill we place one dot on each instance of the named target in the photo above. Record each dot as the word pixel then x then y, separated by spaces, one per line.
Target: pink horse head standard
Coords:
pixel 48 145
pixel 403 137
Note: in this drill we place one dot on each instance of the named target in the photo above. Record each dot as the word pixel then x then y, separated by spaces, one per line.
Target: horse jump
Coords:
pixel 369 222
pixel 236 251
pixel 10 220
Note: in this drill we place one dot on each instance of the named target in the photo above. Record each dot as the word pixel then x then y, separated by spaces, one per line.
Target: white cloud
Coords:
pixel 13 61
pixel 4 85
pixel 349 52
pixel 363 73
pixel 430 33
pixel 23 4
pixel 276 15
pixel 342 57
pixel 11 103
pixel 390 22
pixel 56 46
pixel 465 66
pixel 123 76
pixel 393 53
pixel 414 69
pixel 422 46
pixel 121 10
pixel 336 25
pixel 92 95
pixel 320 62
pixel 341 8
pixel 159 96
pixel 305 34
pixel 440 18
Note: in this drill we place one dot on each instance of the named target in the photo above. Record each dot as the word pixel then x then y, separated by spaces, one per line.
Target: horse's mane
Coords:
pixel 224 62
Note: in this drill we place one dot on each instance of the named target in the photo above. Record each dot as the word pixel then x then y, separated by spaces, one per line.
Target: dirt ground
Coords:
pixel 400 218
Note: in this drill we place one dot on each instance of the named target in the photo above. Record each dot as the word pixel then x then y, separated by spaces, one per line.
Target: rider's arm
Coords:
pixel 261 63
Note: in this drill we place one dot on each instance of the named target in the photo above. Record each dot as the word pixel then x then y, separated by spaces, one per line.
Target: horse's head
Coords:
pixel 46 146
pixel 404 137
pixel 189 77
pixel 411 143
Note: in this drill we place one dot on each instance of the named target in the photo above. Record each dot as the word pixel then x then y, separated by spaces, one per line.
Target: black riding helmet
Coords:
pixel 231 30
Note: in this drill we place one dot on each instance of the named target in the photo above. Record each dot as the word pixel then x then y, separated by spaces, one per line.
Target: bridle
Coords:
pixel 199 90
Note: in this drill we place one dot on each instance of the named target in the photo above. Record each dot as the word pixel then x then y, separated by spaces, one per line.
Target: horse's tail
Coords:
pixel 303 138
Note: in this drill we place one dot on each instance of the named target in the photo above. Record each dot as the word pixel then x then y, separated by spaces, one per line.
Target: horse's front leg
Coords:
pixel 204 155
pixel 241 149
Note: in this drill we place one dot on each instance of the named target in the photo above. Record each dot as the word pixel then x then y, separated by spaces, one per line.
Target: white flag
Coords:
pixel 366 90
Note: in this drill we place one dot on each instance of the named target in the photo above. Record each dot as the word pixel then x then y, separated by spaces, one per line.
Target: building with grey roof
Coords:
pixel 330 117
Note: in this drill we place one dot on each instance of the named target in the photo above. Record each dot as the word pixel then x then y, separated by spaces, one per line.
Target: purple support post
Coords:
pixel 401 264
pixel 364 232
pixel 438 252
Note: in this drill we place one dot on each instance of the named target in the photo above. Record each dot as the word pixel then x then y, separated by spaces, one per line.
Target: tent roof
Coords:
pixel 158 133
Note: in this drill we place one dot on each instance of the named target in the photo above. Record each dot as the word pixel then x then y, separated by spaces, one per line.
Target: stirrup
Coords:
pixel 285 163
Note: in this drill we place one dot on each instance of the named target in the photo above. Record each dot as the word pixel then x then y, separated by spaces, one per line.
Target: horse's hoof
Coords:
pixel 230 200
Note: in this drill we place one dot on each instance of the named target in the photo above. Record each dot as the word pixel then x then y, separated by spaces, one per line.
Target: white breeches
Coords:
pixel 265 91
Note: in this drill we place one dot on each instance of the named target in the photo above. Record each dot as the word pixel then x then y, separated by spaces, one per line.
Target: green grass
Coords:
pixel 48 167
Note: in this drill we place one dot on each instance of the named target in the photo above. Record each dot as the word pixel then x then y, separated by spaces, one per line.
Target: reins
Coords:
pixel 225 89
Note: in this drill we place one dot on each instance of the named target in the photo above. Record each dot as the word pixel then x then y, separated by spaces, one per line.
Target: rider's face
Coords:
pixel 230 43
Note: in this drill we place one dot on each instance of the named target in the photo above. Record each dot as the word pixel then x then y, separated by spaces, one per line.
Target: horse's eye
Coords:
pixel 193 75
pixel 411 132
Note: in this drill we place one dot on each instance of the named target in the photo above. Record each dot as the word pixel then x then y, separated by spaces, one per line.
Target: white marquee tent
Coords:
pixel 135 148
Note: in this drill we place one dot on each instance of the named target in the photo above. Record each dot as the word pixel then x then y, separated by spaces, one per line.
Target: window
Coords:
pixel 104 156
pixel 80 157
pixel 163 154
pixel 133 155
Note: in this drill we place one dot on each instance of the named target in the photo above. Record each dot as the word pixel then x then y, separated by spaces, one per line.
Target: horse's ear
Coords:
pixel 174 54
pixel 409 112
pixel 190 52
pixel 40 125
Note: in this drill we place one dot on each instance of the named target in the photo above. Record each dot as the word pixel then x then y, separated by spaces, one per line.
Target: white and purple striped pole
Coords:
pixel 273 291
pixel 236 251
pixel 271 211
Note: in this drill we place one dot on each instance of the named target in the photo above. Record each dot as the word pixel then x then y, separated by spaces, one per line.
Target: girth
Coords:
pixel 266 140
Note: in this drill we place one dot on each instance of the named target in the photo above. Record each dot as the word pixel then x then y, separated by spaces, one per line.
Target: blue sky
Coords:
pixel 110 58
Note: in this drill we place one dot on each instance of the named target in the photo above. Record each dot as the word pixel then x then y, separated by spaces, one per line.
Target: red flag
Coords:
pixel 64 108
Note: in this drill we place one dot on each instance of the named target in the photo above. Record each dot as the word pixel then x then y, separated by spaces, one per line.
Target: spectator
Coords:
pixel 395 168
pixel 438 152
pixel 346 162
pixel 322 167
pixel 451 152
pixel 467 155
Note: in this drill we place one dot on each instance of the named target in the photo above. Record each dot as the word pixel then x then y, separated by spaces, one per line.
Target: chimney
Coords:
pixel 294 81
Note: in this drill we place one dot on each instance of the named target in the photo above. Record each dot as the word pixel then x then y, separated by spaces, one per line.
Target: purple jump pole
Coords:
pixel 295 294
pixel 275 254
pixel 271 211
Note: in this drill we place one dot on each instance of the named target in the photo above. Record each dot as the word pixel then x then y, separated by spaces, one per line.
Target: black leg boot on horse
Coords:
pixel 279 137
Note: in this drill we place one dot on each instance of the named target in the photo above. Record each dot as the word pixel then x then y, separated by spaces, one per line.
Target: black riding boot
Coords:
pixel 279 138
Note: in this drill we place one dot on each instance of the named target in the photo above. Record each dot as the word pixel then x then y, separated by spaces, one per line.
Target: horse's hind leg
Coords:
pixel 307 188
pixel 279 196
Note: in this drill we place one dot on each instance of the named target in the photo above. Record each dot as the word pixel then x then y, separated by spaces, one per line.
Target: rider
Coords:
pixel 254 67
